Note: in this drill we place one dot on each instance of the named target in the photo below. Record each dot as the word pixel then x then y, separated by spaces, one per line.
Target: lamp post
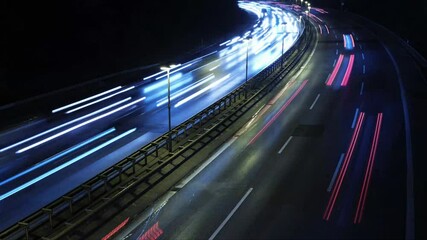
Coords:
pixel 247 39
pixel 308 13
pixel 167 69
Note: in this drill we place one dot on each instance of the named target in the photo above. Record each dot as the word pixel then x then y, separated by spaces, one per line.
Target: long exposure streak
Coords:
pixel 343 171
pixel 348 71
pixel 368 173
pixel 266 126
pixel 335 71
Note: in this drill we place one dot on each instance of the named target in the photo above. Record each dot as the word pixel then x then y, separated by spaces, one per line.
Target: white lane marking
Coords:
pixel 317 98
pixel 335 62
pixel 361 88
pixel 355 117
pixel 206 163
pixel 364 69
pixel 335 173
pixel 363 56
pixel 360 46
pixel 327 78
pixel 336 52
pixel 284 145
pixel 230 214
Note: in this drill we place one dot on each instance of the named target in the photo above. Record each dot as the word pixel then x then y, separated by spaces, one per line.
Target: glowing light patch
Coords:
pixel 174 71
pixel 186 90
pixel 116 229
pixel 202 91
pixel 162 83
pixel 153 233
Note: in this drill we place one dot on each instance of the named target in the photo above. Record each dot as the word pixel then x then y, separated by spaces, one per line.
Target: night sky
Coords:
pixel 406 18
pixel 47 45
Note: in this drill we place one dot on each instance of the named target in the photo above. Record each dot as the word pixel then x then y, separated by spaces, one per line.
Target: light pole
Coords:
pixel 167 69
pixel 308 13
pixel 247 39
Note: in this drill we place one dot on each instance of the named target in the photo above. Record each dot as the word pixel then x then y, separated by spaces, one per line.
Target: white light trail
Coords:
pixel 85 100
pixel 187 89
pixel 78 126
pixel 99 100
pixel 60 167
pixel 201 91
pixel 63 125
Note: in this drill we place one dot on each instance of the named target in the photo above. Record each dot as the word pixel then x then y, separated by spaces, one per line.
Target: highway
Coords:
pixel 43 159
pixel 326 157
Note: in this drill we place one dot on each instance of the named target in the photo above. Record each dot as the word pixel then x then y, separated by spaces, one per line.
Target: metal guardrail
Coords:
pixel 152 163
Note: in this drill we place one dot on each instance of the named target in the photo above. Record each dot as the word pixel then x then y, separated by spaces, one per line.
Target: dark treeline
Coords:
pixel 46 45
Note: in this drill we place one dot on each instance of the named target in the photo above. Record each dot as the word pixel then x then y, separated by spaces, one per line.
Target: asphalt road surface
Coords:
pixel 328 157
pixel 43 159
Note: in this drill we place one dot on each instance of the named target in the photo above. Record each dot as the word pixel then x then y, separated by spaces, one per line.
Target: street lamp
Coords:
pixel 308 13
pixel 247 39
pixel 167 69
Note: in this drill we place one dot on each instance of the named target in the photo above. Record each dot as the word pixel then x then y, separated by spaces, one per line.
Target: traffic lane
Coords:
pixel 69 117
pixel 194 230
pixel 286 213
pixel 42 192
pixel 177 117
pixel 164 75
pixel 173 75
pixel 151 123
pixel 206 197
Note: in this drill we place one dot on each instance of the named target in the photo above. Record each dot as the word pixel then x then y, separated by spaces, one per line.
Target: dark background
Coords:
pixel 47 45
pixel 51 44
pixel 408 19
